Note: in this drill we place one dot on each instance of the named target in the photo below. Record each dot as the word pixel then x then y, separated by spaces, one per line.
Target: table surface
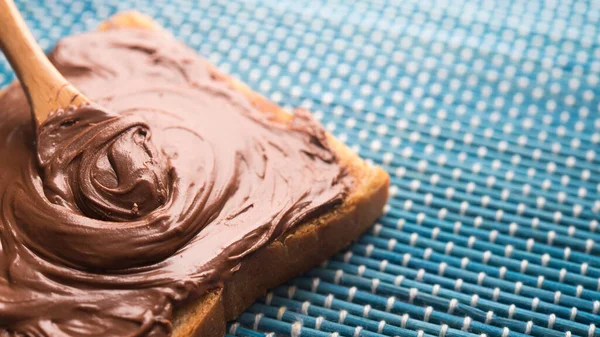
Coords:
pixel 485 114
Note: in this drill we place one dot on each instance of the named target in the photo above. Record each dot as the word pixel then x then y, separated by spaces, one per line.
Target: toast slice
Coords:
pixel 303 247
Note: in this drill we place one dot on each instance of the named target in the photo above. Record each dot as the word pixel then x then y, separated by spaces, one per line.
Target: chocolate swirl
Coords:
pixel 107 228
pixel 103 164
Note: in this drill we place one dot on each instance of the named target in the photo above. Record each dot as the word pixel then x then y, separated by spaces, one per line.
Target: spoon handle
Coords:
pixel 46 89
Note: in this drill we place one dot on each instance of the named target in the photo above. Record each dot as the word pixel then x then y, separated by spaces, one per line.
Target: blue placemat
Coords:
pixel 485 113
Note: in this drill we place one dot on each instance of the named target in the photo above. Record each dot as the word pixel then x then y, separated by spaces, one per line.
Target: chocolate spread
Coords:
pixel 154 193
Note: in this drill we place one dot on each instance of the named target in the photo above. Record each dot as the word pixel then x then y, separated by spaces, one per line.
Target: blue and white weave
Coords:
pixel 487 116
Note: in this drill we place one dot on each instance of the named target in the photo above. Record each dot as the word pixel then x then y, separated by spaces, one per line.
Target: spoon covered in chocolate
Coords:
pixel 92 160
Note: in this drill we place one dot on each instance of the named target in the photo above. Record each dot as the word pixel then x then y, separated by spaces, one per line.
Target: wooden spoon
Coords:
pixel 46 89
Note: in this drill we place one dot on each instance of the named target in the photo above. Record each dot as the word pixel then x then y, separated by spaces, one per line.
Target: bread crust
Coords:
pixel 295 252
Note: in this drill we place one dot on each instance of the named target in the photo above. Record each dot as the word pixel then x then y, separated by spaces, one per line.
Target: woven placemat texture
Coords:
pixel 485 113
